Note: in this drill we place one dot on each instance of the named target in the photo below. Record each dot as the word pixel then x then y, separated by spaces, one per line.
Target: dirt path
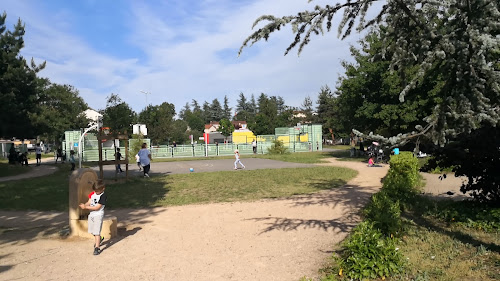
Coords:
pixel 439 187
pixel 33 171
pixel 281 239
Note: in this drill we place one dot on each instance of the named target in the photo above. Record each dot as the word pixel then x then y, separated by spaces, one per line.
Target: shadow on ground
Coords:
pixel 24 227
pixel 351 198
pixel 452 233
pixel 122 234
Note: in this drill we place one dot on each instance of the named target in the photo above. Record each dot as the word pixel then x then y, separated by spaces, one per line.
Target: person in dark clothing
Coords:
pixel 24 159
pixel 59 155
pixel 12 155
pixel 118 156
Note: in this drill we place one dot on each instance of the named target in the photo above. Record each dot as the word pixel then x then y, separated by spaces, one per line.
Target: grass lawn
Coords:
pixel 451 240
pixel 51 192
pixel 11 170
pixel 41 193
pixel 338 146
pixel 445 240
pixel 345 155
pixel 298 157
pixel 436 250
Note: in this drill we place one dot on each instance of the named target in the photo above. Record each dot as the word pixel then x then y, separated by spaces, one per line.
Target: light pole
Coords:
pixel 146 94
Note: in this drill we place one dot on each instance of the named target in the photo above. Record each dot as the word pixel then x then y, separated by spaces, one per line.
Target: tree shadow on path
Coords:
pixel 21 228
pixel 345 203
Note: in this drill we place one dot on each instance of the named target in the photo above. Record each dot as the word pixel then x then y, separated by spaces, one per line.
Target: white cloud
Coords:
pixel 184 54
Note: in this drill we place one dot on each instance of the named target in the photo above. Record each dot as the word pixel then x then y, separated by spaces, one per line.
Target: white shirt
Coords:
pixel 97 199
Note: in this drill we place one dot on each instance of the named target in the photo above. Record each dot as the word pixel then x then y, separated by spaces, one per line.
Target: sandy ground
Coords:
pixel 283 239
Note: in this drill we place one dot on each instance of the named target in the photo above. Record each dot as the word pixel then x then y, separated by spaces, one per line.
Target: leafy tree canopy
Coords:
pixel 368 93
pixel 159 121
pixel 456 38
pixel 326 111
pixel 118 115
pixel 18 84
pixel 307 108
pixel 179 131
pixel 216 111
pixel 226 109
pixel 59 108
pixel 226 128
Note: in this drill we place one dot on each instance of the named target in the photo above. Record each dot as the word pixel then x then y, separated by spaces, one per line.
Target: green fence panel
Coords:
pixel 308 138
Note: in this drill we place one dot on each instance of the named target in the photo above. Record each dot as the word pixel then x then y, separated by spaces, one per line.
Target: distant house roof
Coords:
pixel 214 126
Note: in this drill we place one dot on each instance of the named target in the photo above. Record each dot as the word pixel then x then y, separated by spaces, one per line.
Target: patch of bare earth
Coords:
pixel 281 239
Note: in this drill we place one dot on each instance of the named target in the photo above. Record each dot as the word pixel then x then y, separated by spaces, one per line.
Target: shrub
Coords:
pixel 402 179
pixel 135 145
pixel 278 147
pixel 384 212
pixel 369 254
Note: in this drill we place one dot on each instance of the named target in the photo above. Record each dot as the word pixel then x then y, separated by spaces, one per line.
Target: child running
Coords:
pixel 138 160
pixel 96 203
pixel 237 156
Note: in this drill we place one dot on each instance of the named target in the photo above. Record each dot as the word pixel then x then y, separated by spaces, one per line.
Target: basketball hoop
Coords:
pixel 105 130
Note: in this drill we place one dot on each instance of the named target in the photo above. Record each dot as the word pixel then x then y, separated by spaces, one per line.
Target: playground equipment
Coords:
pixel 105 135
pixel 80 186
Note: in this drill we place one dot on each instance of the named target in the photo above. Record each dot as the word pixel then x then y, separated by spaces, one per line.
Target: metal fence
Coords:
pixel 197 150
pixel 305 138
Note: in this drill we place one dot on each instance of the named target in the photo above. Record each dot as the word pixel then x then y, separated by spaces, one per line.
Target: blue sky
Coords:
pixel 177 50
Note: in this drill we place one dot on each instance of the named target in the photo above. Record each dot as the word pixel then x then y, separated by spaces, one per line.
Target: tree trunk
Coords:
pixel 333 137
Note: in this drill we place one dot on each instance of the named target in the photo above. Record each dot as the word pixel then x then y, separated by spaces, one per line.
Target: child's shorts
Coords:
pixel 95 225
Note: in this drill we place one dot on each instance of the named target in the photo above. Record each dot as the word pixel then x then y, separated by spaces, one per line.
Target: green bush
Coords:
pixel 135 145
pixel 278 147
pixel 402 179
pixel 384 212
pixel 369 254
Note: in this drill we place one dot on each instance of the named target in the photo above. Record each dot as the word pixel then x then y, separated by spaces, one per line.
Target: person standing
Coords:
pixel 237 157
pixel 12 155
pixel 72 159
pixel 96 204
pixel 118 157
pixel 145 159
pixel 38 151
pixel 59 154
pixel 254 146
